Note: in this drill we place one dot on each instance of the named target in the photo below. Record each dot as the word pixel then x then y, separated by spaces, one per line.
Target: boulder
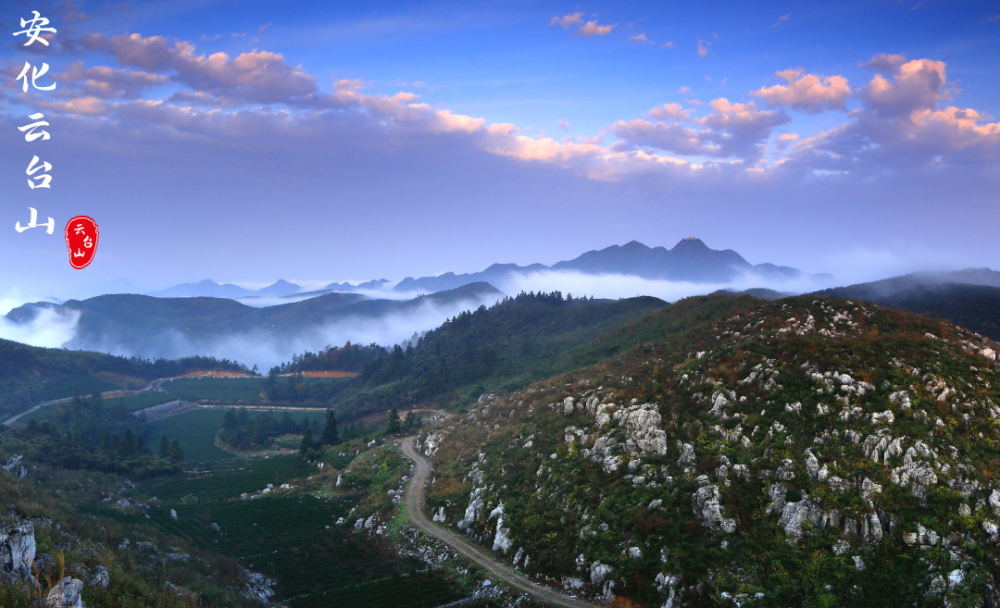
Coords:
pixel 17 549
pixel 707 508
pixel 65 594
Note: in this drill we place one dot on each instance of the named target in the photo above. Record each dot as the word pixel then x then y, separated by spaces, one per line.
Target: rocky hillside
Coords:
pixel 804 452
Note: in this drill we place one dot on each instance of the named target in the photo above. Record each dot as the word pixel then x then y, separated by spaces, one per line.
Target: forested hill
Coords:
pixel 517 340
pixel 29 374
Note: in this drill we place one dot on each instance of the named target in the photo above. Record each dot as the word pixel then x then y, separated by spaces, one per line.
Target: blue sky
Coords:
pixel 337 140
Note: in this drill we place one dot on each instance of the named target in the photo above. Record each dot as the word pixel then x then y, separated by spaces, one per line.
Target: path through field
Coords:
pixel 414 500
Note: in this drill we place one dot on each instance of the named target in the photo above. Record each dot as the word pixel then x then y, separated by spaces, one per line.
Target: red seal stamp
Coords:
pixel 81 241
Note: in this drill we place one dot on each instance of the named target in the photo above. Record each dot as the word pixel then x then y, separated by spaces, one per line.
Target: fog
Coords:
pixel 49 329
pixel 269 348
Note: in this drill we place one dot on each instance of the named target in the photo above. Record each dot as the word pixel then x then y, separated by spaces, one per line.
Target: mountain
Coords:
pixel 153 327
pixel 368 285
pixel 690 260
pixel 207 288
pixel 279 289
pixel 970 297
pixel 811 451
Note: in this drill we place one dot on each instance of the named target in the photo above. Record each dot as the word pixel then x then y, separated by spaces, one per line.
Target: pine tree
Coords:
pixel 106 440
pixel 394 426
pixel 128 444
pixel 307 442
pixel 164 447
pixel 330 435
pixel 175 452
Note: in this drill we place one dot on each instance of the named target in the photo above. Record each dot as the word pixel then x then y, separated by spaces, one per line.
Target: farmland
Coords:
pixel 195 430
pixel 232 391
pixel 292 538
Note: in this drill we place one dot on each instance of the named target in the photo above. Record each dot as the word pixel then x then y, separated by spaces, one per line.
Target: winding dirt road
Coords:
pixel 414 500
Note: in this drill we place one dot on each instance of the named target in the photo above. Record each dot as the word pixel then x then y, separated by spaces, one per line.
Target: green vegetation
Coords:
pixel 761 409
pixel 195 430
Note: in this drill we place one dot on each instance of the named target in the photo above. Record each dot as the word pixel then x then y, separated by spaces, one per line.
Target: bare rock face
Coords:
pixel 14 466
pixel 65 594
pixel 17 549
pixel 259 587
pixel 707 508
pixel 99 578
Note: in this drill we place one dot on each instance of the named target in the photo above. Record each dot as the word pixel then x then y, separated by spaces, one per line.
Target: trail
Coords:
pixel 414 500
pixel 152 385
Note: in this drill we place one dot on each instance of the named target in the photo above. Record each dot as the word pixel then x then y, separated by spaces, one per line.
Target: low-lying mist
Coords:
pixel 269 348
pixel 49 328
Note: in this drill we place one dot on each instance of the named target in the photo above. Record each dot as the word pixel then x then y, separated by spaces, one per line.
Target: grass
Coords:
pixel 63 387
pixel 236 391
pixel 195 430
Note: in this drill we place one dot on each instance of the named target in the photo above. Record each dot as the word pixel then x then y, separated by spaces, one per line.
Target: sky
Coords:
pixel 247 141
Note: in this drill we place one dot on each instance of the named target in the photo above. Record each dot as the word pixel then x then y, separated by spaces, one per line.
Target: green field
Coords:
pixel 235 391
pixel 63 388
pixel 143 400
pixel 229 479
pixel 294 540
pixel 195 430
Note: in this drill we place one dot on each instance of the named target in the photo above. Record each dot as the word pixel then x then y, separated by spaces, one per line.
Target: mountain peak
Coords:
pixel 691 243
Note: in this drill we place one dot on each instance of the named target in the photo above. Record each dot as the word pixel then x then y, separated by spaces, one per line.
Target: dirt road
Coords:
pixel 414 500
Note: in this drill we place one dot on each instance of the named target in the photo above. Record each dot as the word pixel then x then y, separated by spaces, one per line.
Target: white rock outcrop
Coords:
pixel 707 508
pixel 17 549
pixel 65 594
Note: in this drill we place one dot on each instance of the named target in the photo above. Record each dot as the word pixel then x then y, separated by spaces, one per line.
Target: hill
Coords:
pixel 970 298
pixel 808 451
pixel 509 344
pixel 30 375
pixel 151 327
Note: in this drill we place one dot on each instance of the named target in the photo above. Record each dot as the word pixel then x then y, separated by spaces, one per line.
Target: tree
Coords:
pixel 128 444
pixel 307 442
pixel 330 435
pixel 229 420
pixel 106 440
pixel 394 426
pixel 164 447
pixel 174 453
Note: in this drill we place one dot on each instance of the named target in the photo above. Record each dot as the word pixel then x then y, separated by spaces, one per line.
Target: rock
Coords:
pixel 572 584
pixel 568 405
pixel 859 563
pixel 989 353
pixel 841 547
pixel 472 511
pixel 919 475
pixel 14 466
pixel 501 542
pixel 17 549
pixel 65 594
pixel 439 516
pixel 99 578
pixel 173 514
pixel 259 587
pixel 635 552
pixel 520 554
pixel 687 454
pixel 707 508
pixel 995 502
pixel 599 572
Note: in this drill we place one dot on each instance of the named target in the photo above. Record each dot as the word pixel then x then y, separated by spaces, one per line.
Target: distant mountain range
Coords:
pixel 151 327
pixel 690 260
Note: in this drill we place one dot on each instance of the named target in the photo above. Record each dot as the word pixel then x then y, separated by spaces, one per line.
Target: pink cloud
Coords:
pixel 883 62
pixel 704 48
pixel 807 92
pixel 640 38
pixel 107 83
pixel 350 84
pixel 567 20
pixel 668 45
pixel 781 19
pixel 670 111
pixel 917 84
pixel 592 28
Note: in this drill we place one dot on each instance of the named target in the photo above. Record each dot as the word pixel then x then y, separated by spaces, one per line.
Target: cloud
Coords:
pixel 264 27
pixel 567 20
pixel 740 128
pixel 782 19
pixel 670 111
pixel 668 45
pixel 640 38
pixel 917 84
pixel 683 90
pixel 902 125
pixel 786 139
pixel 704 48
pixel 49 329
pixel 257 76
pixel 992 19
pixel 808 92
pixel 883 62
pixel 350 84
pixel 207 38
pixel 563 123
pixel 592 28
pixel 107 83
